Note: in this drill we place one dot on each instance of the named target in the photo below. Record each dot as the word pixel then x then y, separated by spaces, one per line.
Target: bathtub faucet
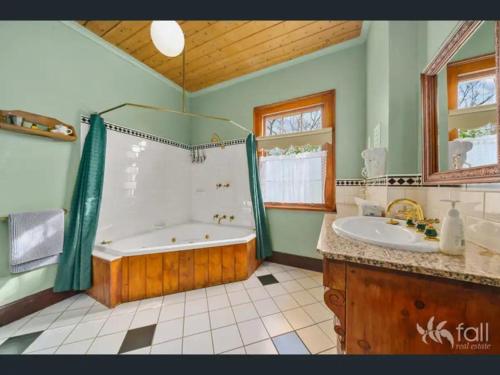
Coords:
pixel 220 217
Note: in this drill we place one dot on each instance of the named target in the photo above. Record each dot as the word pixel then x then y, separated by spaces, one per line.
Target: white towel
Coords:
pixel 36 239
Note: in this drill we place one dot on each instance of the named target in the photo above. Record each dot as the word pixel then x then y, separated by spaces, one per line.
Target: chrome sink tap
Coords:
pixel 220 217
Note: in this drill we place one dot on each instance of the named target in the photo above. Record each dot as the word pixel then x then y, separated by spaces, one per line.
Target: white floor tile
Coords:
pixel 236 351
pixel 97 312
pixel 226 338
pixel 198 344
pixel 315 339
pixel 79 347
pixel 215 290
pixel 275 290
pixel 150 303
pixel 282 276
pixel 318 293
pixel 292 286
pixel 258 293
pixel 57 307
pixel 332 351
pixel 109 344
pixel 169 347
pixel 86 330
pixel 193 295
pixel 234 287
pixel 327 327
pixel 221 318
pixel 262 347
pixel 298 318
pixel 173 299
pixel 38 323
pixel 43 351
pixel 50 338
pixel 125 308
pixel 196 324
pixel 245 312
pixel 11 328
pixel 318 312
pixel 252 282
pixel 239 297
pixel 169 312
pixel 297 274
pixel 252 331
pixel 196 307
pixel 308 283
pixel 145 318
pixel 285 302
pixel 82 301
pixel 218 302
pixel 169 330
pixel 70 317
pixel 276 324
pixel 318 277
pixel 266 307
pixel 140 351
pixel 303 297
pixel 118 323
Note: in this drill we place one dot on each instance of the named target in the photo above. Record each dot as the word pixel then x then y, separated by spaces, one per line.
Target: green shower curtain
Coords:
pixel 75 263
pixel 264 249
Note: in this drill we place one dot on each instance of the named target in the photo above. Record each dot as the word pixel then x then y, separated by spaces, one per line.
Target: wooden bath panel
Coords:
pixel 145 276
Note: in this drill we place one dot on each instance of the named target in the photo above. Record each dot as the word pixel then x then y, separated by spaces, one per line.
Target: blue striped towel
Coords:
pixel 36 239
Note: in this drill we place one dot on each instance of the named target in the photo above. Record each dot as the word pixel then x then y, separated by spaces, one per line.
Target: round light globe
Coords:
pixel 167 37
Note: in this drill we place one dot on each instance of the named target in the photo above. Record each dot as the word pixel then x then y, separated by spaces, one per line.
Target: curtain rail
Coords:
pixel 161 109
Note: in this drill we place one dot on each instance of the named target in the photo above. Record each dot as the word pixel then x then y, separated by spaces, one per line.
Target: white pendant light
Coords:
pixel 167 37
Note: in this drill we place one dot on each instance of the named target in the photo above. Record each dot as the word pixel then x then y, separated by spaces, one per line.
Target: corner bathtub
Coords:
pixel 171 260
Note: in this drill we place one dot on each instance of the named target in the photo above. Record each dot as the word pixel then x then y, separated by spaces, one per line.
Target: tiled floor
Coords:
pixel 279 310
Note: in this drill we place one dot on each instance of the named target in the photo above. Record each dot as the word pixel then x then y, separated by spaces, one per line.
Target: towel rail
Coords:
pixel 5 218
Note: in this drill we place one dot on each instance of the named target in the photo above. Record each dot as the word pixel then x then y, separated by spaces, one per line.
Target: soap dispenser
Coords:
pixel 452 240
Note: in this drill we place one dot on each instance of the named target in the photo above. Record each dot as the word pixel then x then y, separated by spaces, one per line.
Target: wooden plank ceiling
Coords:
pixel 217 51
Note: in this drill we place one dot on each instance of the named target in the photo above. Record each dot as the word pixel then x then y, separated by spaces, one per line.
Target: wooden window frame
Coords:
pixel 326 99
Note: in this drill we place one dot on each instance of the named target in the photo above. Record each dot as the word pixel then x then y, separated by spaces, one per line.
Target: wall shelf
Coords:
pixel 36 119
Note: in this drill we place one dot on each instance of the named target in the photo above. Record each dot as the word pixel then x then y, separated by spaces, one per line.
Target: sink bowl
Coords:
pixel 376 231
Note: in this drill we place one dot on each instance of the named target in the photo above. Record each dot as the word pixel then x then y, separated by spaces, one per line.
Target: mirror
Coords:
pixel 460 107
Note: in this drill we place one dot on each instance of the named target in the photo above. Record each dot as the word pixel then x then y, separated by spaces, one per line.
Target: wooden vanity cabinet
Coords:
pixel 377 311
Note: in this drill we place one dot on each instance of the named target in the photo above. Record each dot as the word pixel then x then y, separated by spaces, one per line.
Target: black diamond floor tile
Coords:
pixel 138 338
pixel 18 344
pixel 267 279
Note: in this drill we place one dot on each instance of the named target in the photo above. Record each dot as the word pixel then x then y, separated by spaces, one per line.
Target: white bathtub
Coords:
pixel 179 237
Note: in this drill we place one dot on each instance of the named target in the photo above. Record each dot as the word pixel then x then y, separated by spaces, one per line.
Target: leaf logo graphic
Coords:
pixel 435 334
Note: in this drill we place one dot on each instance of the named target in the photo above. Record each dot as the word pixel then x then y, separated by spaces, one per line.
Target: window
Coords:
pixel 471 82
pixel 295 147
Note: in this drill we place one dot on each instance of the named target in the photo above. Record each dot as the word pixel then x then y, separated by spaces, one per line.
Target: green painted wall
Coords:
pixel 297 232
pixel 51 69
pixel 377 84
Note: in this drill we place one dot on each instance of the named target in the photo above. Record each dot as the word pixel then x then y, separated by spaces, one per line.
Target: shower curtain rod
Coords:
pixel 160 109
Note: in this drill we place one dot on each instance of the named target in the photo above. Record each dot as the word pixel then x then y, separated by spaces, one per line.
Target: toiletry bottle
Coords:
pixel 452 240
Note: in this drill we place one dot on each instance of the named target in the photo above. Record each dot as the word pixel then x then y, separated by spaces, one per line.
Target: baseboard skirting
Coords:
pixel 300 261
pixel 30 304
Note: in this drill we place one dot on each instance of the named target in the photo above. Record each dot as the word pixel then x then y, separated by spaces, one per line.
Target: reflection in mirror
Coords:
pixel 466 94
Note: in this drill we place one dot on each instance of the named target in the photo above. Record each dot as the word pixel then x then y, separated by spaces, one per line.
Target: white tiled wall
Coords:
pixel 227 165
pixel 479 205
pixel 144 185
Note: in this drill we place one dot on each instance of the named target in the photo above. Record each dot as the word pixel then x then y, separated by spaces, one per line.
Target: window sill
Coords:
pixel 299 207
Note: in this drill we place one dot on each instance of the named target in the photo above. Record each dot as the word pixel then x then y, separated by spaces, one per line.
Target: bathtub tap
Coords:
pixel 220 217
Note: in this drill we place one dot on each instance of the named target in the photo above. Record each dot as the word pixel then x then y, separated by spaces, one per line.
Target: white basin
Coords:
pixel 376 231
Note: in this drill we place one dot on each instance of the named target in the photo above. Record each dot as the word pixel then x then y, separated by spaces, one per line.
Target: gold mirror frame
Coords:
pixel 428 79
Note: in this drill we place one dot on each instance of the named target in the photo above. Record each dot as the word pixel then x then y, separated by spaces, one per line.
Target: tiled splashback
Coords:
pixel 226 165
pixel 151 182
pixel 479 205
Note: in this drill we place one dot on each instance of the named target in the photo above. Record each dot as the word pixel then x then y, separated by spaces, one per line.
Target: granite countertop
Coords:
pixel 479 265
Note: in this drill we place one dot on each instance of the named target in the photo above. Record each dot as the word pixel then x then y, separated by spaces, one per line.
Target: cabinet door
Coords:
pixel 383 309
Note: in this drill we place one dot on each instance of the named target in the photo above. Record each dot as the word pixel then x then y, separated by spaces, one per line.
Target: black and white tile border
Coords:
pixel 389 180
pixel 154 138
